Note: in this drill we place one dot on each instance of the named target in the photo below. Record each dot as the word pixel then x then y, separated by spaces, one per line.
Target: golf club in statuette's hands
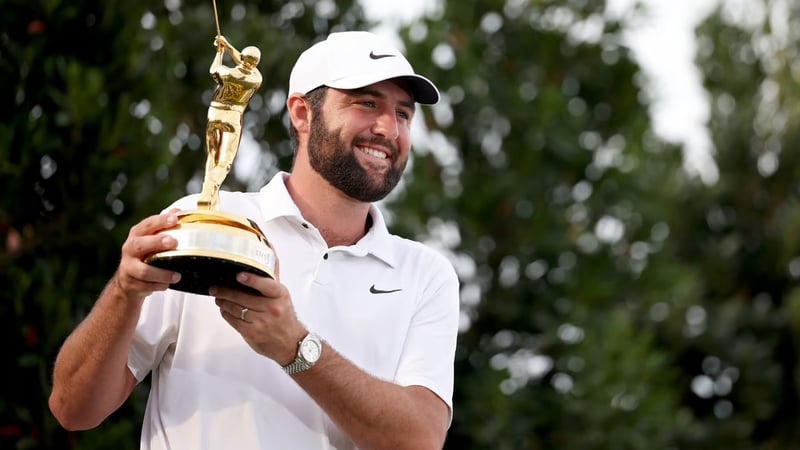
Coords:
pixel 213 246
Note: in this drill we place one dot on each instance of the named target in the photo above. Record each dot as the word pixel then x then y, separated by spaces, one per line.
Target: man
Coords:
pixel 235 87
pixel 351 346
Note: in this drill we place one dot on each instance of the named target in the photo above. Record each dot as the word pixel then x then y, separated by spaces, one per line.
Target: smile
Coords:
pixel 372 152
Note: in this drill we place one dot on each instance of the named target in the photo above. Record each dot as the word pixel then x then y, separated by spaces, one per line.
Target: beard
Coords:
pixel 336 162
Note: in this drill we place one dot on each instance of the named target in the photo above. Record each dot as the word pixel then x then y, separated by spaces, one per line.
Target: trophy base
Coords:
pixel 212 248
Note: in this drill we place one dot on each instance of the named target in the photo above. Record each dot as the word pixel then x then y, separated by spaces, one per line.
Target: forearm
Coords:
pixel 90 377
pixel 376 414
pixel 217 62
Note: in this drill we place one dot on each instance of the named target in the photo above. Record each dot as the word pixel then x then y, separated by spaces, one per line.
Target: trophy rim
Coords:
pixel 199 216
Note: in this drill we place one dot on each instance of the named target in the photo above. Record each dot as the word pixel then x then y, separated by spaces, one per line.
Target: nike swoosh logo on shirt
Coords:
pixel 380 291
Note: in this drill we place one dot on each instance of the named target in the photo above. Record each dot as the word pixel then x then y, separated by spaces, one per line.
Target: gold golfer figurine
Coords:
pixel 235 87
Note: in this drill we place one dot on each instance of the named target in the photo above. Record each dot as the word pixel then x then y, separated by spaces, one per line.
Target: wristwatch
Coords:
pixel 308 352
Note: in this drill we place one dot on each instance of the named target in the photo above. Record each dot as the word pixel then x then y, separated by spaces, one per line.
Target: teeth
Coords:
pixel 372 152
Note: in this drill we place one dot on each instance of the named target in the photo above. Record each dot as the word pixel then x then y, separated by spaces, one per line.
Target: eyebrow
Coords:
pixel 375 93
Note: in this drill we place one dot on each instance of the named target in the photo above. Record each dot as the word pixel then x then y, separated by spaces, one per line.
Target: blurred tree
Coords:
pixel 739 352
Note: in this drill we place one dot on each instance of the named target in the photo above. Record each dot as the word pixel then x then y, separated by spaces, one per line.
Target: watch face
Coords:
pixel 310 350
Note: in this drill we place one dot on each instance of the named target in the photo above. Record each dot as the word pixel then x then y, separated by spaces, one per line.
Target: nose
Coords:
pixel 387 125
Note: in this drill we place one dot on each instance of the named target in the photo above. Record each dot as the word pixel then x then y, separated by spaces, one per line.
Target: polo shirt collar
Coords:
pixel 275 202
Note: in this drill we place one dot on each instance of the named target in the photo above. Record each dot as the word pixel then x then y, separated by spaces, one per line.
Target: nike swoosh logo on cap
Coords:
pixel 380 291
pixel 372 55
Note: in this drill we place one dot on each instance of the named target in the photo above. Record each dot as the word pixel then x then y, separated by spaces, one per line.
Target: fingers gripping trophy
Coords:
pixel 213 246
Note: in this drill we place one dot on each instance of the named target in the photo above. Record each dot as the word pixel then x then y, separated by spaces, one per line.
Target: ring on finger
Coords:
pixel 243 314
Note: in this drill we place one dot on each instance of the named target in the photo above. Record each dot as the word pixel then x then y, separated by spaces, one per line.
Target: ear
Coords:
pixel 299 113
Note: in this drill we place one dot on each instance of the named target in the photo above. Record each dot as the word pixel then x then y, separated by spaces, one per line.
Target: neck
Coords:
pixel 340 219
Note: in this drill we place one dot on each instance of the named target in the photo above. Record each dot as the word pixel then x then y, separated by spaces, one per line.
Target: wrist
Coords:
pixel 309 351
pixel 118 289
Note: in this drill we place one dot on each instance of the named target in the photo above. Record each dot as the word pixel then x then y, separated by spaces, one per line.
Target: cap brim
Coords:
pixel 423 90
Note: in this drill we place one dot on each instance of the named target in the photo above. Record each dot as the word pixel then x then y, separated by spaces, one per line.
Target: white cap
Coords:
pixel 354 59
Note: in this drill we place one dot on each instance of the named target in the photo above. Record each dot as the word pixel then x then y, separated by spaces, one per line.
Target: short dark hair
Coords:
pixel 315 98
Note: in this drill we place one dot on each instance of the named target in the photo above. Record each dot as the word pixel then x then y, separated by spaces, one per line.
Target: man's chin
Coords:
pixel 377 191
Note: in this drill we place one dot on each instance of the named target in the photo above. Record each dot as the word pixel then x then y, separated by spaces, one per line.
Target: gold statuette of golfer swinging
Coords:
pixel 214 245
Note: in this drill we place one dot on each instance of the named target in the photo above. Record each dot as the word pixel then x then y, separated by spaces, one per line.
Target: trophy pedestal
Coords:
pixel 213 247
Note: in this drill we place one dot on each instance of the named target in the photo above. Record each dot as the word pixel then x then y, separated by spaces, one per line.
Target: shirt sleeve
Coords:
pixel 429 352
pixel 156 332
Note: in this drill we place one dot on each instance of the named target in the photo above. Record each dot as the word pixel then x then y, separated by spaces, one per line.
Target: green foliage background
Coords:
pixel 610 300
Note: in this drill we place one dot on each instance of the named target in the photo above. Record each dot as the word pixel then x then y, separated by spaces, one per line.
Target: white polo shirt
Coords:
pixel 210 390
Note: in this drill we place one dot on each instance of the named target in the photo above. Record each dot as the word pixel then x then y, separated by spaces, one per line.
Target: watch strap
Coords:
pixel 296 366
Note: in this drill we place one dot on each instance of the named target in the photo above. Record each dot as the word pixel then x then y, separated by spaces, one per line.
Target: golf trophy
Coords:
pixel 213 246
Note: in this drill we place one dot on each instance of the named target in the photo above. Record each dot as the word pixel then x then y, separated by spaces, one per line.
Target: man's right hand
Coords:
pixel 135 278
pixel 90 377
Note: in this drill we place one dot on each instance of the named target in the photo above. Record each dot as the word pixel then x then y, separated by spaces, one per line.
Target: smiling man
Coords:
pixel 351 346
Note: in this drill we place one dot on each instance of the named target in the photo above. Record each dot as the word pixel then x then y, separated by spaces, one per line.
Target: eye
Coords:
pixel 405 115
